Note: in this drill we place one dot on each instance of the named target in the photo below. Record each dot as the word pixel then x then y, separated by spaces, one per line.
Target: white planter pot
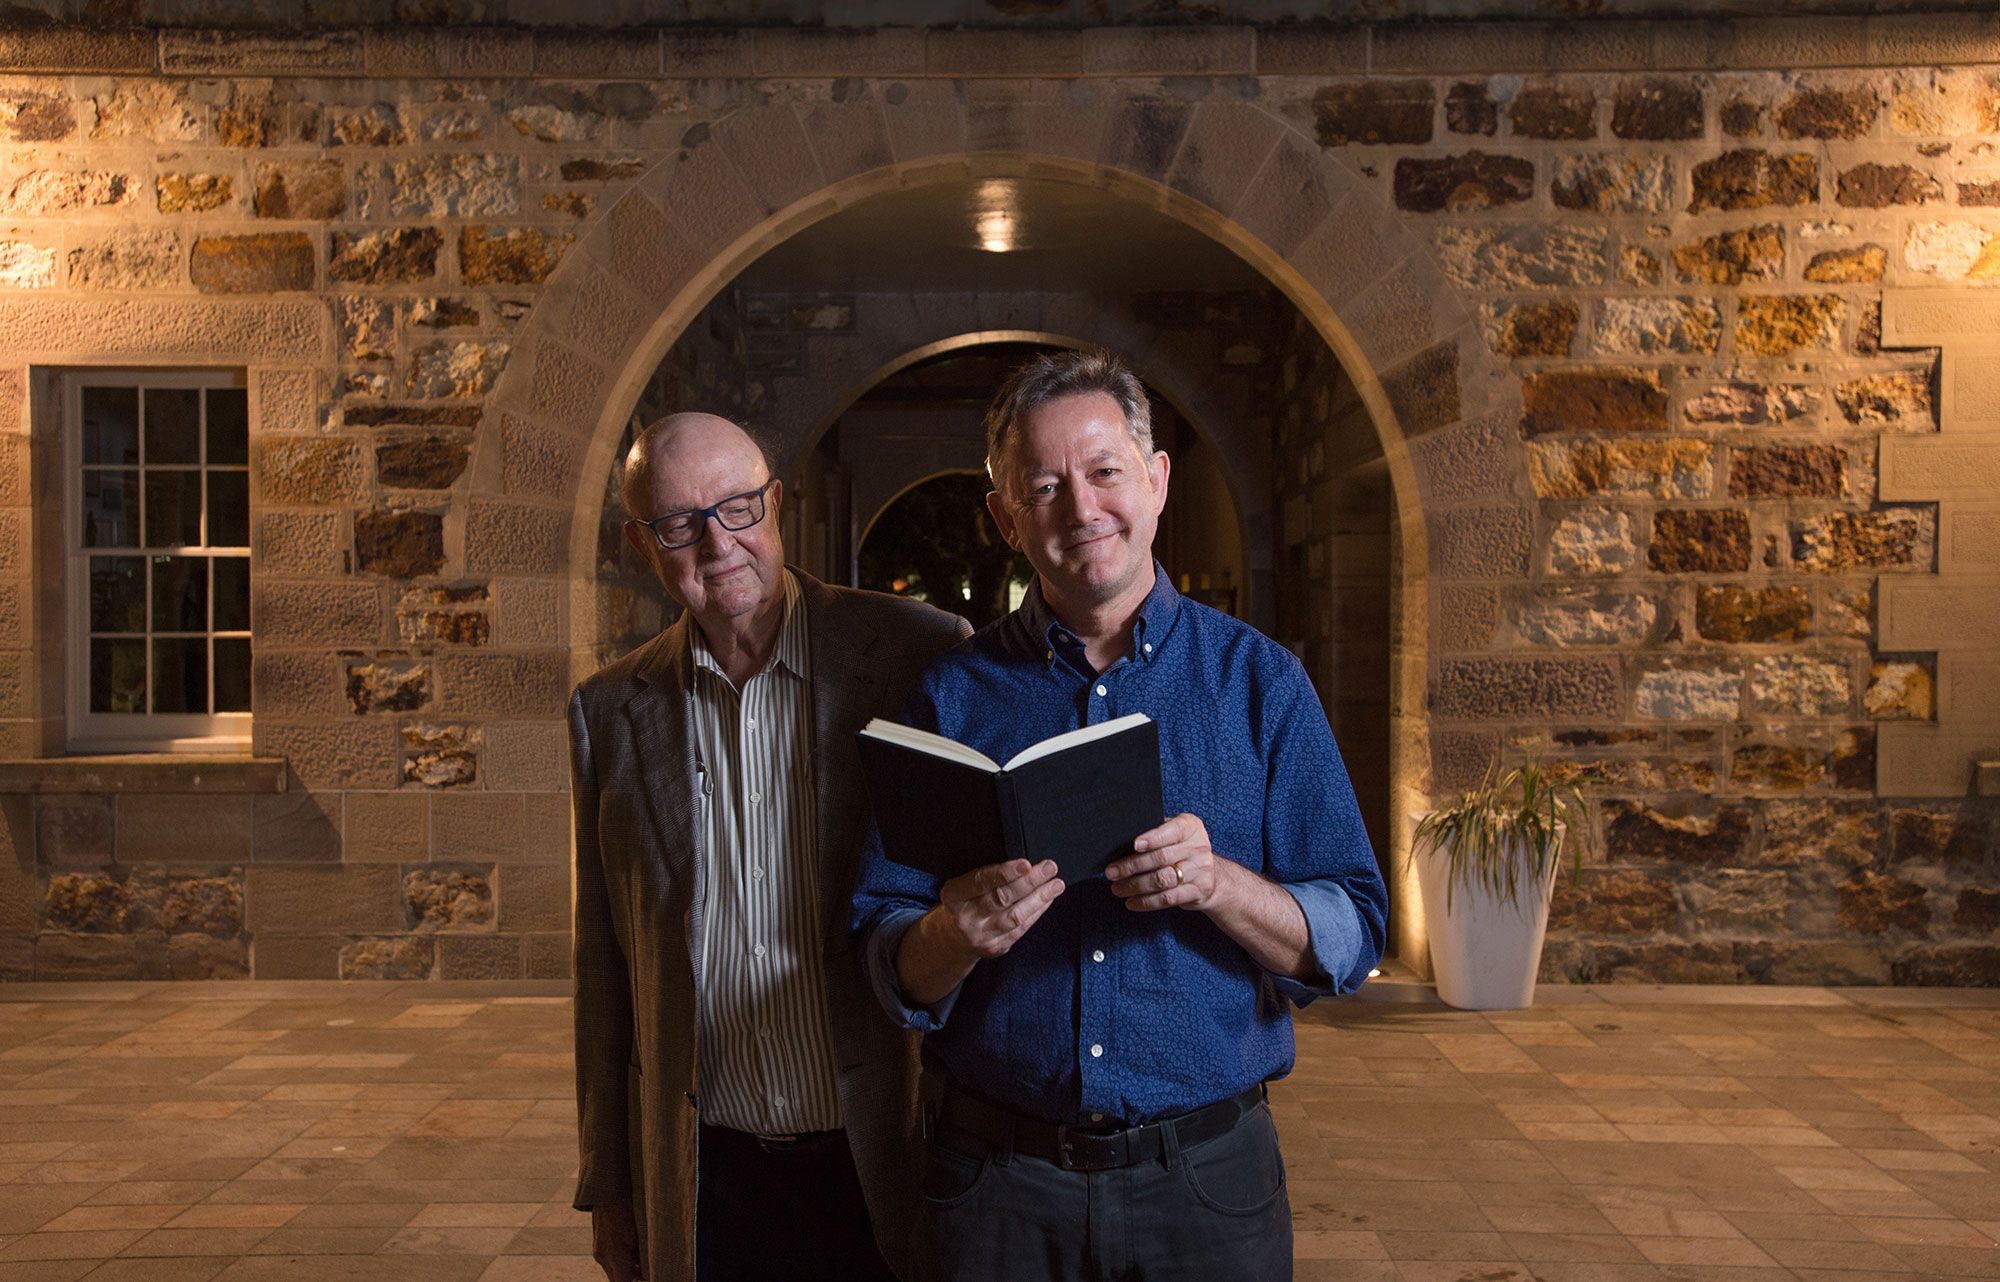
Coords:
pixel 1485 950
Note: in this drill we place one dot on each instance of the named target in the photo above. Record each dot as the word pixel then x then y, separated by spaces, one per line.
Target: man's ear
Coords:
pixel 775 498
pixel 638 540
pixel 1003 518
pixel 1157 468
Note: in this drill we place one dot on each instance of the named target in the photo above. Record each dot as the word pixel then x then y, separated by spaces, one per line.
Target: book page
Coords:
pixel 935 745
pixel 1072 738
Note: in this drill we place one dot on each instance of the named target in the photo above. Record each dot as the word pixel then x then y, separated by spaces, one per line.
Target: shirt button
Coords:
pixel 756 797
pixel 1148 648
pixel 757 870
pixel 753 721
pixel 1101 692
pixel 1096 1051
pixel 757 950
pixel 779 1100
pixel 1097 1117
pixel 1097 954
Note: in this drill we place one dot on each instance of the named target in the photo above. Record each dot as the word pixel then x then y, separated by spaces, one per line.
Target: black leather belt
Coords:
pixel 1086 1148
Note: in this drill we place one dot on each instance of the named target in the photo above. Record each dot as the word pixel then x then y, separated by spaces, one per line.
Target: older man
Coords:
pixel 1103 1046
pixel 733 1071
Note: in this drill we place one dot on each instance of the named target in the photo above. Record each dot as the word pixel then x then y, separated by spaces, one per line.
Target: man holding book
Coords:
pixel 722 1023
pixel 1102 1045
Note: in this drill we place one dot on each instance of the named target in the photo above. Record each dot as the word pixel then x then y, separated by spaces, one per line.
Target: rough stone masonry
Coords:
pixel 1678 331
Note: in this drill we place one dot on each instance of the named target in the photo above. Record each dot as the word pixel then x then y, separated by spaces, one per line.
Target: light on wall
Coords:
pixel 996 215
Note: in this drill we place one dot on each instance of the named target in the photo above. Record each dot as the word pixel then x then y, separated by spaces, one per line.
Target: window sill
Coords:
pixel 144 772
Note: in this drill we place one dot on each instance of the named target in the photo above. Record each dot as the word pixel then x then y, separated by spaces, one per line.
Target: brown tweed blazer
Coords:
pixel 637 905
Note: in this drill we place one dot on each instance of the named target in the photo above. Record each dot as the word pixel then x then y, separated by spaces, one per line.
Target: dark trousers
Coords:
pixel 1210 1212
pixel 781 1210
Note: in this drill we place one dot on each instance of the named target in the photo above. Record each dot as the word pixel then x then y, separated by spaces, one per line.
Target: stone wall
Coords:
pixel 1646 319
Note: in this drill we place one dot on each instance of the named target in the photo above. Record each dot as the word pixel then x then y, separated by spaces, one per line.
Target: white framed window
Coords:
pixel 157 531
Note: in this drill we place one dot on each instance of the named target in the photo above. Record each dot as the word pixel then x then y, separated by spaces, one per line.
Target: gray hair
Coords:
pixel 1054 375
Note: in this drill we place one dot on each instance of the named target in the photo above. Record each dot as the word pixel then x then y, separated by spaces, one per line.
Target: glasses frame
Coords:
pixel 713 510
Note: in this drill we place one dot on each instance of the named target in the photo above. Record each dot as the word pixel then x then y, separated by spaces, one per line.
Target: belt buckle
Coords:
pixel 1063 1158
pixel 1067 1135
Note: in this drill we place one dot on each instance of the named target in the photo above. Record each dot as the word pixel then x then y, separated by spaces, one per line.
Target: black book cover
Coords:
pixel 1080 805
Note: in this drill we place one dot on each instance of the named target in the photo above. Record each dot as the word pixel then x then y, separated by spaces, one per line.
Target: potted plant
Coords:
pixel 1487 864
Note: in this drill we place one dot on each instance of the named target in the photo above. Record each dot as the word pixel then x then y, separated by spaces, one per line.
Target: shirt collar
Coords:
pixel 792 653
pixel 1149 631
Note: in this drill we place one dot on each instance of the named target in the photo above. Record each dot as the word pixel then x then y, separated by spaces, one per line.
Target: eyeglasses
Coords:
pixel 685 529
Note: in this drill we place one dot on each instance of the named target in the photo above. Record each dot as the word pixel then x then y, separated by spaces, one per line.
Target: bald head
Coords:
pixel 682 444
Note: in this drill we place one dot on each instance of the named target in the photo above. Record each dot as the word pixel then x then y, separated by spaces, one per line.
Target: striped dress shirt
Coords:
pixel 764 1043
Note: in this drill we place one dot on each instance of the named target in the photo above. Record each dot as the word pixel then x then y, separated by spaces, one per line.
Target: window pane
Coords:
pixel 229 509
pixel 232 674
pixel 173 509
pixel 173 425
pixel 117 676
pixel 111 425
pixel 228 425
pixel 180 674
pixel 232 598
pixel 111 509
pixel 117 594
pixel 180 594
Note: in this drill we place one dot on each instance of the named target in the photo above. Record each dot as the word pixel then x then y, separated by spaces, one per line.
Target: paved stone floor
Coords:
pixel 404 1131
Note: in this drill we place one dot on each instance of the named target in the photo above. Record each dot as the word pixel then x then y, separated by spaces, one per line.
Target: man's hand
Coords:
pixel 1172 866
pixel 614 1242
pixel 979 915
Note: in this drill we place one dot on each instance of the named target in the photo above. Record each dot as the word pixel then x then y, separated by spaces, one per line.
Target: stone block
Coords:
pixel 153 828
pixel 1674 962
pixel 1733 613
pixel 1460 184
pixel 465 369
pixel 470 827
pixel 1974 966
pixel 1312 49
pixel 530 612
pixel 566 388
pixel 1144 133
pixel 1801 686
pixel 1227 142
pixel 456 186
pixel 513 538
pixel 1530 329
pixel 1375 113
pixel 397 256
pixel 1701 832
pixel 1859 266
pixel 320 470
pixel 1294 194
pixel 1899 690
pixel 191 957
pixel 1592 540
pixel 20 896
pixel 1731 900
pixel 924 118
pixel 1472 460
pixel 548 829
pixel 1927 317
pixel 1828 112
pixel 1958 465
pixel 266 263
pixel 320 612
pixel 1019 51
pixel 534 685
pixel 424 462
pixel 1589 469
pixel 1573 617
pixel 1613 184
pixel 141 260
pixel 1831 834
pixel 533 898
pixel 56 193
pixel 1872 903
pixel 1424 390
pixel 406 957
pixel 1952 251
pixel 1454 46
pixel 1659 109
pixel 828 51
pixel 449 898
pixel 1481 543
pixel 1689 694
pixel 1788 471
pixel 309 899
pixel 546 956
pixel 1969 689
pixel 1778 325
pixel 1465 618
pixel 1977 910
pixel 1931 761
pixel 1896 538
pixel 1526 256
pixel 333 754
pixel 401 545
pixel 1751 178
pixel 479 957
pixel 1460 758
pixel 1733 257
pixel 1554 113
pixel 298 827
pixel 83 47
pixel 1469 108
pixel 1495 689
pixel 294 683
pixel 773 155
pixel 527 756
pixel 85 957
pixel 301 189
pixel 509 255
pixel 1699 542
pixel 284 400
pixel 1872 186
pixel 73 832
pixel 1656 326
pixel 1939 614
pixel 386 827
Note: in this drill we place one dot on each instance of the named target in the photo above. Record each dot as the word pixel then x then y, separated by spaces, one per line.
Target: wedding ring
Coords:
pixel 1179 880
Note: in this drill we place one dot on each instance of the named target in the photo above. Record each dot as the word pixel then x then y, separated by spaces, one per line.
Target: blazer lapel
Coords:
pixel 663 755
pixel 846 692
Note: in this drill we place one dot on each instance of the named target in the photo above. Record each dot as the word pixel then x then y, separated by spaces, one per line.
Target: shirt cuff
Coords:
pixel 1334 938
pixel 880 960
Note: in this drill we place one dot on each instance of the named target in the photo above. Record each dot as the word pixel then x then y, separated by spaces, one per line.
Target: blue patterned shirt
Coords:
pixel 1098 1009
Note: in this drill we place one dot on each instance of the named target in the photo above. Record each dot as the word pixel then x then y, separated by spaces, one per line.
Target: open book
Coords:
pixel 1078 798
